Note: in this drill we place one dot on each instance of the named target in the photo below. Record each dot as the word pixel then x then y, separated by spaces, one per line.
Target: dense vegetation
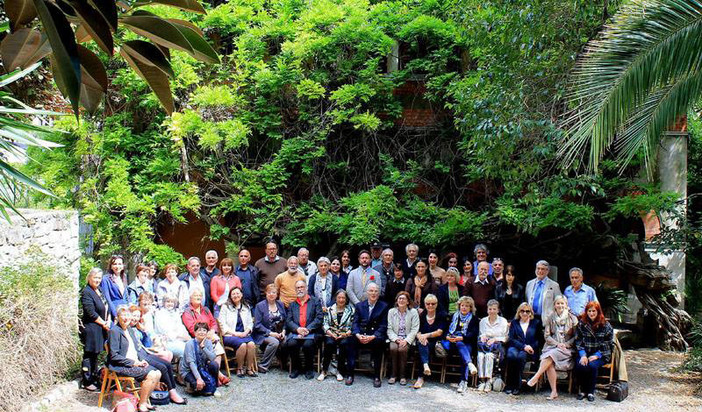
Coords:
pixel 298 131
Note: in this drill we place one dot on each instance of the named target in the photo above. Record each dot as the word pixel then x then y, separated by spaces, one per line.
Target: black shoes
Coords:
pixel 515 391
pixel 580 396
pixel 591 397
pixel 376 383
pixel 349 380
pixel 294 374
pixel 309 375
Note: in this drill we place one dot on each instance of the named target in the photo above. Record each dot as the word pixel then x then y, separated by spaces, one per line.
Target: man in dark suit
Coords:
pixel 303 322
pixel 370 324
pixel 194 278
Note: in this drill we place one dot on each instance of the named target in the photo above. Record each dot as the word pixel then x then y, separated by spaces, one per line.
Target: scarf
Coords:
pixel 323 292
pixel 465 320
pixel 418 285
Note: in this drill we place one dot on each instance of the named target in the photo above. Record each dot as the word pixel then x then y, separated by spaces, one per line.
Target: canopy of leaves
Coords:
pixel 302 130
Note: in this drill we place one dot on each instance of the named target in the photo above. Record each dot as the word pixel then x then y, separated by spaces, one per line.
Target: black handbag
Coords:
pixel 160 396
pixel 618 391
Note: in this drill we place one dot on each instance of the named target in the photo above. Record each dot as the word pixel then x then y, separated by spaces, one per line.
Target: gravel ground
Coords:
pixel 654 386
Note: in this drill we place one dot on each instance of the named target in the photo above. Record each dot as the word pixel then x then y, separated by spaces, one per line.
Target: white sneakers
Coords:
pixel 462 386
pixel 488 386
pixel 339 377
pixel 481 387
pixel 322 376
pixel 217 394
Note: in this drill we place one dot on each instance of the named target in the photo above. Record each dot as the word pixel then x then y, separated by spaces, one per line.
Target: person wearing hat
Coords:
pixel 376 249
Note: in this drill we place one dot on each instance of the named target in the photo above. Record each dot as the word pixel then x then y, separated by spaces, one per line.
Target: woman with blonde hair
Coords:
pixel 559 349
pixel 524 341
pixel 462 334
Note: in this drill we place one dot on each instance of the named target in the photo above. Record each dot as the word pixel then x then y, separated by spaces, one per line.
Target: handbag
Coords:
pixel 124 402
pixel 618 391
pixel 439 350
pixel 160 396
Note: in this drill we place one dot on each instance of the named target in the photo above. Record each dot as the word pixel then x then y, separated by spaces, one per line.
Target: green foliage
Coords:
pixel 299 131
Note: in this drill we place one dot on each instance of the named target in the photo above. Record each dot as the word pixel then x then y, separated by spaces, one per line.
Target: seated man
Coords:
pixel 303 322
pixel 370 323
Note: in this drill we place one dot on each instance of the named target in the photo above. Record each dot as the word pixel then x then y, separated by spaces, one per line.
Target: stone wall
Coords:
pixel 53 232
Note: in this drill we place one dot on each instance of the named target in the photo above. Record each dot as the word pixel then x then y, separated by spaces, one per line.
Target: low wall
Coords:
pixel 53 232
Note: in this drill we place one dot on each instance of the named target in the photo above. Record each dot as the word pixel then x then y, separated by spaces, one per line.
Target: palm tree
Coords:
pixel 16 133
pixel 637 79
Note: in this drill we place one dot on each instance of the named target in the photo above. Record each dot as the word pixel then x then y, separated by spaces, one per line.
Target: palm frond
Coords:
pixel 648 46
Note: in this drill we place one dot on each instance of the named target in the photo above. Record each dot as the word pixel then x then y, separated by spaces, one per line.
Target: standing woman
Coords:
pixel 236 324
pixel 269 327
pixel 438 274
pixel 594 338
pixel 139 285
pixel 222 283
pixel 338 320
pixel 432 325
pixel 346 262
pixel 171 285
pixel 559 349
pixel 114 284
pixel 467 272
pixel 403 326
pixel 420 285
pixel 96 324
pixel 322 285
pixel 450 292
pixel 451 260
pixel 509 293
pixel 524 338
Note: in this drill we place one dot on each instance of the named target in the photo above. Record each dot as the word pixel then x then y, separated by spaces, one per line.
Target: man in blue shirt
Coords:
pixel 248 274
pixel 578 293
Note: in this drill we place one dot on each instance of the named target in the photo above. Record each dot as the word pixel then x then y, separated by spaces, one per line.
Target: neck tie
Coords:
pixel 364 279
pixel 537 297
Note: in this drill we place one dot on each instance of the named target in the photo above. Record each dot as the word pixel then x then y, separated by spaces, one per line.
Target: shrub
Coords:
pixel 38 340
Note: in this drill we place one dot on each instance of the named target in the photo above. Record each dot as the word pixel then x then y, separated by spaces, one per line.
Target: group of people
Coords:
pixel 286 308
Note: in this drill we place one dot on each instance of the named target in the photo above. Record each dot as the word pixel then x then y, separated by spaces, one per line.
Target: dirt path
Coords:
pixel 655 386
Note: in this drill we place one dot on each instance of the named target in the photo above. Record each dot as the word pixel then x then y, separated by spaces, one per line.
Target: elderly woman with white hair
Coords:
pixel 493 335
pixel 169 326
pixel 323 285
pixel 96 323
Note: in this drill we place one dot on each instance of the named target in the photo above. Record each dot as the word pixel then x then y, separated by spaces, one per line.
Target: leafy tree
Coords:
pixel 635 81
pixel 78 71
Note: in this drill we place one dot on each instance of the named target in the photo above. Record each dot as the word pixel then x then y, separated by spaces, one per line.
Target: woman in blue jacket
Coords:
pixel 114 284
pixel 525 337
pixel 463 334
pixel 269 327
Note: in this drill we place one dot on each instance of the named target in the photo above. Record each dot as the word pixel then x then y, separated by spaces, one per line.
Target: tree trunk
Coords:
pixel 653 284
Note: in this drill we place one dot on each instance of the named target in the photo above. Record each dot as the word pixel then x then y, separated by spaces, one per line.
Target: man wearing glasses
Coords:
pixel 303 323
pixel 541 292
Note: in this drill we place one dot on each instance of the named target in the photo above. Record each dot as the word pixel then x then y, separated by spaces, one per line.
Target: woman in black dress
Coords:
pixel 509 293
pixel 96 323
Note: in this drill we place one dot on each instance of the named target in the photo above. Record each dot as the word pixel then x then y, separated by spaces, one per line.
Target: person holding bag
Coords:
pixel 197 366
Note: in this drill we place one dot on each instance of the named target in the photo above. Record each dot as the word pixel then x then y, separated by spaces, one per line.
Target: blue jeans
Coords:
pixel 464 351
pixel 587 375
pixel 425 350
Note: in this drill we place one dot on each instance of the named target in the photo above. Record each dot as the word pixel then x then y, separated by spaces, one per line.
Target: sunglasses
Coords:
pixel 524 311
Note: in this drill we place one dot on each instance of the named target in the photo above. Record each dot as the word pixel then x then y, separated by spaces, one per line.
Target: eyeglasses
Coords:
pixel 524 311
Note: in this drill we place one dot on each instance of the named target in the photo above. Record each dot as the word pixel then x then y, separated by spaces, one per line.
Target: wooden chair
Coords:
pixel 230 356
pixel 369 368
pixel 605 379
pixel 412 360
pixel 435 363
pixel 317 361
pixel 452 367
pixel 111 381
